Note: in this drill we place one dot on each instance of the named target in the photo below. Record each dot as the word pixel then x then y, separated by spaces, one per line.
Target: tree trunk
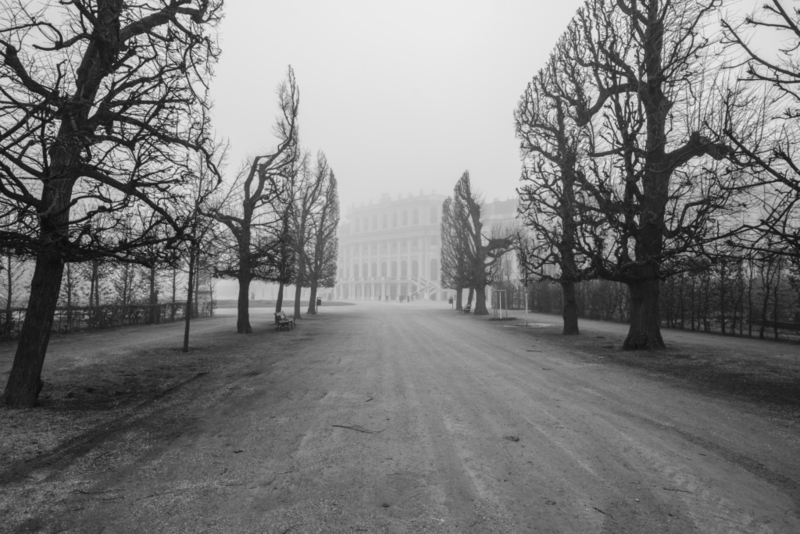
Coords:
pixel 196 306
pixel 93 287
pixel 459 306
pixel 298 290
pixel 480 300
pixel 211 296
pixel 681 303
pixel 722 281
pixel 469 297
pixel 767 284
pixel 68 268
pixel 243 320
pixel 645 329
pixel 188 315
pixel 25 382
pixel 279 302
pixel 312 301
pixel 570 311
pixel 153 299
pixel 174 293
pixel 775 303
pixel 9 296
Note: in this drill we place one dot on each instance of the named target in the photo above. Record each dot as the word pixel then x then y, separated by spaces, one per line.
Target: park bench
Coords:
pixel 283 321
pixel 465 309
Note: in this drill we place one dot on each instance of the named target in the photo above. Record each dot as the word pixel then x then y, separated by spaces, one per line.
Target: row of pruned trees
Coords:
pixel 647 149
pixel 107 158
pixel 755 296
pixel 470 249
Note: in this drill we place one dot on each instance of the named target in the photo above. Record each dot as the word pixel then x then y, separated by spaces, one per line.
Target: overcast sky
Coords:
pixel 401 96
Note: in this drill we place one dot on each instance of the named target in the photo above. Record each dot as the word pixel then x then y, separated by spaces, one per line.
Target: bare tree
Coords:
pixel 646 92
pixel 769 147
pixel 286 256
pixel 307 198
pixel 203 239
pixel 253 208
pixel 484 251
pixel 456 271
pixel 97 99
pixel 324 243
pixel 550 144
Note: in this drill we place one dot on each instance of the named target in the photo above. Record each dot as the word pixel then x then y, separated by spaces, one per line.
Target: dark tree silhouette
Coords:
pixel 484 251
pixel 100 100
pixel 645 91
pixel 324 245
pixel 550 145
pixel 254 207
pixel 285 255
pixel 456 271
pixel 308 196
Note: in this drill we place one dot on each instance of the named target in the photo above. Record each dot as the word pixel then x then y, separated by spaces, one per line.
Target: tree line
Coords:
pixel 109 169
pixel 658 154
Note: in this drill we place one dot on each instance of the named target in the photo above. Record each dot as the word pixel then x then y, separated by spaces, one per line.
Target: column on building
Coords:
pixel 408 266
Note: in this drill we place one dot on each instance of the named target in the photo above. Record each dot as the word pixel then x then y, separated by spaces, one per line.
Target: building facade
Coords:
pixel 391 250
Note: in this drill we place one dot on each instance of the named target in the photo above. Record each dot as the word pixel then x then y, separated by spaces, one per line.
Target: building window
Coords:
pixel 394 220
pixel 394 269
pixel 358 225
pixel 374 222
pixel 365 272
pixel 415 217
pixel 385 221
pixel 434 215
pixel 374 270
pixel 405 218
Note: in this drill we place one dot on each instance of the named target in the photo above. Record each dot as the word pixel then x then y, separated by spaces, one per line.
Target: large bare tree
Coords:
pixel 646 92
pixel 98 99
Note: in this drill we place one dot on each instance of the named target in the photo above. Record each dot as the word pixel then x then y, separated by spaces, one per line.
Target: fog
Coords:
pixel 402 97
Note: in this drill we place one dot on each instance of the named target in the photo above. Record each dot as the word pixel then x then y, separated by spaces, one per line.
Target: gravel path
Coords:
pixel 411 418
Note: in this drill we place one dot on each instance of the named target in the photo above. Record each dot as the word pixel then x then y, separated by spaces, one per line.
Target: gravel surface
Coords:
pixel 390 417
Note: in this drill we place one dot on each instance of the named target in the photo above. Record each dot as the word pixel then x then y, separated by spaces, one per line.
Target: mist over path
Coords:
pixel 387 417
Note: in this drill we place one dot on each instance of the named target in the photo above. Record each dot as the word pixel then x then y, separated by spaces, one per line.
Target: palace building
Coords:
pixel 391 250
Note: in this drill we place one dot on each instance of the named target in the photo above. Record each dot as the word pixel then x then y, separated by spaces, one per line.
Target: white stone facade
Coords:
pixel 391 250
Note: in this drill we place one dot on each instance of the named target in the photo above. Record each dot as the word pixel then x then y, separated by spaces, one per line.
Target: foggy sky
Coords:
pixel 401 96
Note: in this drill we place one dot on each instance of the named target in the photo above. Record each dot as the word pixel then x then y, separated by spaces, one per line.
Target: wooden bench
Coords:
pixel 283 321
pixel 465 309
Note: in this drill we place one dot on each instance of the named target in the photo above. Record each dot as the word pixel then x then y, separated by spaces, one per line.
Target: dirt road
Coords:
pixel 410 418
